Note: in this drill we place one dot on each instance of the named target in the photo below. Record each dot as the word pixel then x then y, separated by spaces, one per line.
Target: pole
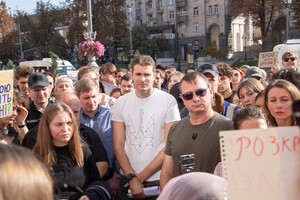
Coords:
pixel 287 20
pixel 130 28
pixel 89 17
pixel 20 37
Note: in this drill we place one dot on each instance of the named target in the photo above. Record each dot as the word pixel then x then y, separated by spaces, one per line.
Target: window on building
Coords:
pixel 171 15
pixel 196 27
pixel 150 18
pixel 162 18
pixel 195 11
pixel 216 9
pixel 139 8
pixel 170 2
pixel 161 4
pixel 61 32
pixel 210 10
pixel 183 30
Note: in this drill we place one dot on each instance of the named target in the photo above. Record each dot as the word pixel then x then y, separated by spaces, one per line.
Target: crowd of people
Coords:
pixel 149 131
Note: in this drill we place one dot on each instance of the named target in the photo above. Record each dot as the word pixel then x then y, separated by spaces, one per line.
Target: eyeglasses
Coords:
pixel 199 93
pixel 291 58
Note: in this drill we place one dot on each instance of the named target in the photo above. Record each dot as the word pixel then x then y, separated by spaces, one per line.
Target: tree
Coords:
pixel 43 30
pixel 109 21
pixel 10 64
pixel 142 42
pixel 213 51
pixel 295 7
pixel 7 35
pixel 6 22
pixel 262 11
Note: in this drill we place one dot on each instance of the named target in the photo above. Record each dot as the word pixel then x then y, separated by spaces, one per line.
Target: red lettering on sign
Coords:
pixel 296 141
pixel 276 144
pixel 261 146
pixel 284 144
pixel 240 139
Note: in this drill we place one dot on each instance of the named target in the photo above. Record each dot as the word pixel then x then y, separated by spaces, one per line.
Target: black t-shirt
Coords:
pixel 33 117
pixel 230 98
pixel 87 134
pixel 71 180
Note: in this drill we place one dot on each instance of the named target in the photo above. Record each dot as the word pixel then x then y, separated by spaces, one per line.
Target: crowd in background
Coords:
pixel 120 131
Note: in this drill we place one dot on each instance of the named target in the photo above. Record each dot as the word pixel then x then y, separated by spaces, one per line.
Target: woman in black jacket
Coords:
pixel 70 162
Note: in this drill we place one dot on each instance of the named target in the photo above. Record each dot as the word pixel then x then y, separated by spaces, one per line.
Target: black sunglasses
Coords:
pixel 198 93
pixel 287 59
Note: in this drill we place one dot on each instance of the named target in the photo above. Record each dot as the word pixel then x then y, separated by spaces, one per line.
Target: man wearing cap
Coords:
pixel 254 72
pixel 38 91
pixel 244 68
pixel 193 142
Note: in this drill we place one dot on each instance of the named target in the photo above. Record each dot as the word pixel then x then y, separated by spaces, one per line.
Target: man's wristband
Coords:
pixel 22 126
pixel 130 176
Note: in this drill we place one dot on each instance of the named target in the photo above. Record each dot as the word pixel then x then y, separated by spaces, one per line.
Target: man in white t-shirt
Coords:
pixel 141 121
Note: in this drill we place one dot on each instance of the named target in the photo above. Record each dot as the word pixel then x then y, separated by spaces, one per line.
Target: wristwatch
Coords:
pixel 130 176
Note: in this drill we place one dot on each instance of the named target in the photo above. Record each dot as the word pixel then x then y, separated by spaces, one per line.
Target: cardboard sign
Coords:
pixel 267 59
pixel 261 163
pixel 6 92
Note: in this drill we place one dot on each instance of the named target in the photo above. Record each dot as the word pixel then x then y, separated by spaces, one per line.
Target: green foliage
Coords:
pixel 250 63
pixel 142 43
pixel 42 31
pixel 54 58
pixel 213 51
pixel 58 40
pixel 10 64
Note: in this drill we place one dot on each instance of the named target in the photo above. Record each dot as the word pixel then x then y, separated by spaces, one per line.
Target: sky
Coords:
pixel 25 5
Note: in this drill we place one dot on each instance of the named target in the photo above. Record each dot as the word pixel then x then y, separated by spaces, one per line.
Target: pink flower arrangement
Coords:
pixel 90 47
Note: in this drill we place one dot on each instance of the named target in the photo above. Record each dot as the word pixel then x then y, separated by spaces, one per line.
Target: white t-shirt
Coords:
pixel 145 120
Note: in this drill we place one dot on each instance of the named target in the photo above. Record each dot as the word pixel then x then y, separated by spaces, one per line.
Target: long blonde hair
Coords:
pixel 44 146
pixel 23 176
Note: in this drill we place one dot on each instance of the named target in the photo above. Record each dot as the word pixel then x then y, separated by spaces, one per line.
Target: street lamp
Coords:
pixel 245 46
pixel 89 35
pixel 130 28
pixel 288 2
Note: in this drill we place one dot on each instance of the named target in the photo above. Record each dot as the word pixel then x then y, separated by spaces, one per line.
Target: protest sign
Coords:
pixel 6 92
pixel 261 163
pixel 267 59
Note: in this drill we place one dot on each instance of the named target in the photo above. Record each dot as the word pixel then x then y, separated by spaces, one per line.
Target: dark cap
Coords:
pixel 37 79
pixel 208 68
pixel 253 72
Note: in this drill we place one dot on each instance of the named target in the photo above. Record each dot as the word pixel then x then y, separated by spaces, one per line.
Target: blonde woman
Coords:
pixel 71 163
pixel 248 90
pixel 23 176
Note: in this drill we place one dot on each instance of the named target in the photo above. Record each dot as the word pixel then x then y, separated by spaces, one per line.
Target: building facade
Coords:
pixel 189 25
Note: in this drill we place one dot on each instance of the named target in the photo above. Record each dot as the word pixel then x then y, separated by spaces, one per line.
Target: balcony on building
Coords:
pixel 182 16
pixel 181 3
pixel 168 36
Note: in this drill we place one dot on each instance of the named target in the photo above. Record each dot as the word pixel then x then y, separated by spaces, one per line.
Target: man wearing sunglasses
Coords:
pixel 193 142
pixel 290 60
